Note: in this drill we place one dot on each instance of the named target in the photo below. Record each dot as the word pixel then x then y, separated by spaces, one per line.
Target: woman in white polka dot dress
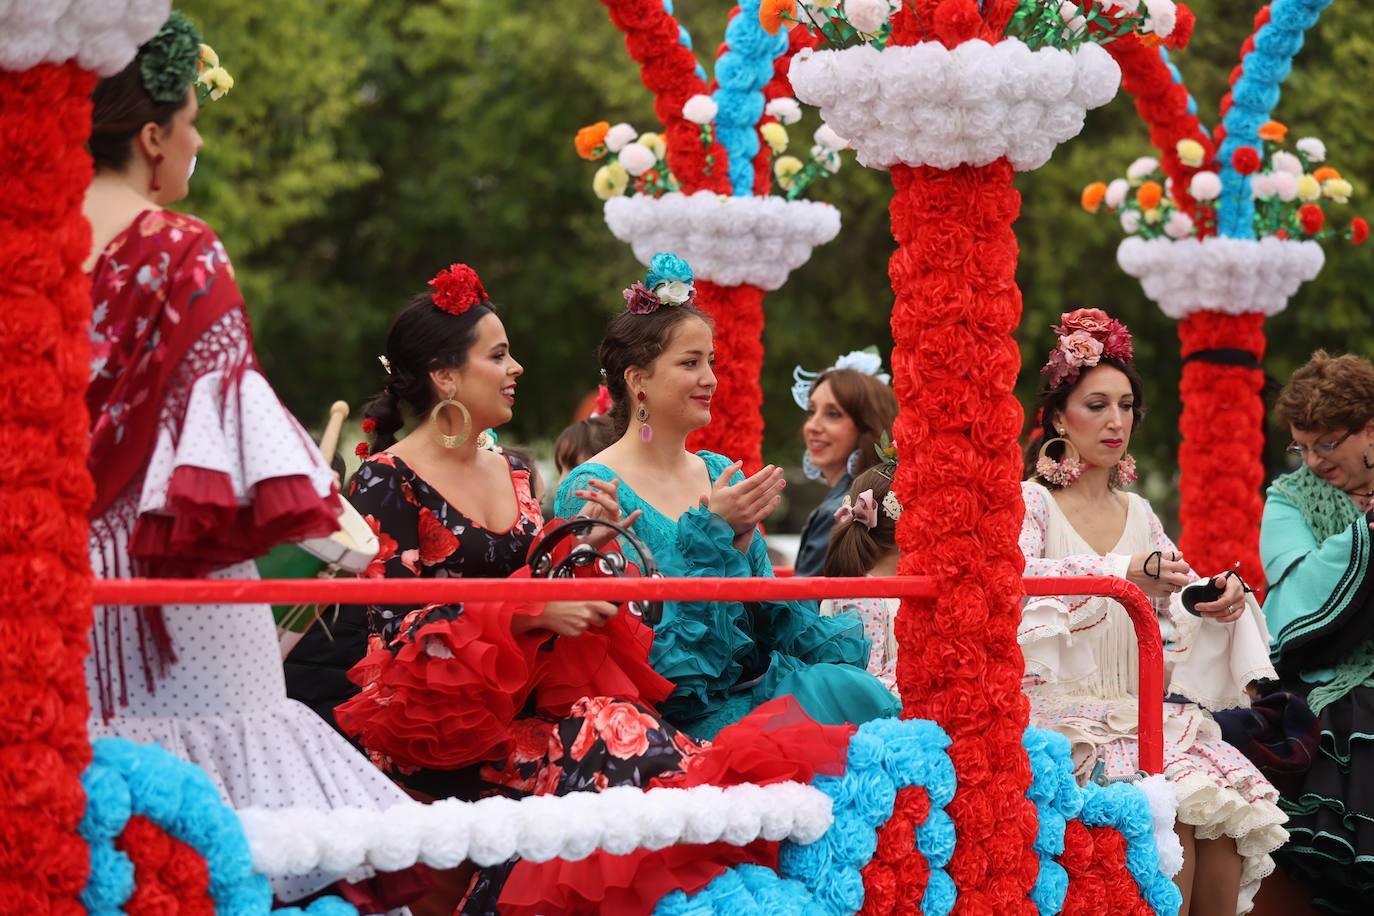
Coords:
pixel 198 469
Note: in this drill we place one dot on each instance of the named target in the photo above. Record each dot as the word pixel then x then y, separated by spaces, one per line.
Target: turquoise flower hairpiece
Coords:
pixel 668 282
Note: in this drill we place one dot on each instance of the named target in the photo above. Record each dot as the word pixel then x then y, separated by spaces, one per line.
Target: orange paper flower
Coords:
pixel 591 140
pixel 1326 173
pixel 1149 195
pixel 1273 130
pixel 777 14
pixel 1092 196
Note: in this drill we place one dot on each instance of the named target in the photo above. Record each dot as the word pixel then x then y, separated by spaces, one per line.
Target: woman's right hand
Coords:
pixel 1157 574
pixel 571 618
pixel 745 504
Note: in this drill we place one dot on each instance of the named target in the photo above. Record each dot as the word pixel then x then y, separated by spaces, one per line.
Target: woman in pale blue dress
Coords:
pixel 699 516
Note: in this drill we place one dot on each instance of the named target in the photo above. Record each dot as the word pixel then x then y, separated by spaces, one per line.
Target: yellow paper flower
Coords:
pixel 1152 215
pixel 775 135
pixel 1338 189
pixel 1190 152
pixel 208 58
pixel 1309 188
pixel 655 143
pixel 785 169
pixel 218 81
pixel 611 180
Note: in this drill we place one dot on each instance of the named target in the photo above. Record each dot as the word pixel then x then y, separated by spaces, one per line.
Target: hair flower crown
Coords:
pixel 1086 337
pixel 457 289
pixel 668 282
pixel 175 59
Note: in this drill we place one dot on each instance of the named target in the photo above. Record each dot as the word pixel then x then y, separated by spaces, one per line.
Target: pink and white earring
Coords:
pixel 1123 475
pixel 1061 472
pixel 646 432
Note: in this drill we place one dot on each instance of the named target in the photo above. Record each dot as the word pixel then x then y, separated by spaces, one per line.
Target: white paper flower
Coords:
pixel 637 158
pixel 100 35
pixel 618 136
pixel 731 241
pixel 699 109
pixel 1312 148
pixel 674 291
pixel 1262 185
pixel 1130 220
pixel 1117 190
pixel 861 361
pixel 1179 225
pixel 1284 161
pixel 867 16
pixel 1285 186
pixel 1234 276
pixel 785 108
pixel 825 136
pixel 1205 186
pixel 1141 169
pixel 1160 17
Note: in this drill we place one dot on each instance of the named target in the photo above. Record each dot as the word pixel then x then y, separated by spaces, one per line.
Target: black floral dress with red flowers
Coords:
pixel 454 703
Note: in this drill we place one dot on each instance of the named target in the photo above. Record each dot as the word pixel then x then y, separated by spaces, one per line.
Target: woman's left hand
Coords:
pixel 602 503
pixel 1230 605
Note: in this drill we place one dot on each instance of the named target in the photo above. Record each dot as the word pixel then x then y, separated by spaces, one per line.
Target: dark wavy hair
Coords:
pixel 635 341
pixel 1055 398
pixel 422 338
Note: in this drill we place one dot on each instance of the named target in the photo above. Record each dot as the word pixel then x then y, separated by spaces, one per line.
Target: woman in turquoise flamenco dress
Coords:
pixel 699 516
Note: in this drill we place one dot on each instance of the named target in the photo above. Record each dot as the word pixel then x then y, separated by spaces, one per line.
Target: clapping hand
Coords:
pixel 603 504
pixel 745 504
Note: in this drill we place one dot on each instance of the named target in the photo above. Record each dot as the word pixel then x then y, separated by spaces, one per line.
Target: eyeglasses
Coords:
pixel 1320 448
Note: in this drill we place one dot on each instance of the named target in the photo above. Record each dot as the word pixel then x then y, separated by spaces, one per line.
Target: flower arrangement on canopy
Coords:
pixel 1291 190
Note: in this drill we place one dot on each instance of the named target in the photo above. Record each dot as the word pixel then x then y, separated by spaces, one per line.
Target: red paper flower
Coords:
pixel 1359 230
pixel 1245 160
pixel 360 450
pixel 369 425
pixel 458 289
pixel 1312 218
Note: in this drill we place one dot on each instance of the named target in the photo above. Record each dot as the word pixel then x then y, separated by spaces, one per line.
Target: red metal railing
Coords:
pixel 435 591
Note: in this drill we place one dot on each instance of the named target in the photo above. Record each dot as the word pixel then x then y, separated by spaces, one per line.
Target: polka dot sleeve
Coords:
pixel 1033 529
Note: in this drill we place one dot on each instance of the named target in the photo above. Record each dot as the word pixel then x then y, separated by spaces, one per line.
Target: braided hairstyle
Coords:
pixel 422 338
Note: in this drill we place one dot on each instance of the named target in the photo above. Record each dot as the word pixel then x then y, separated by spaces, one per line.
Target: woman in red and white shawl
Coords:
pixel 198 469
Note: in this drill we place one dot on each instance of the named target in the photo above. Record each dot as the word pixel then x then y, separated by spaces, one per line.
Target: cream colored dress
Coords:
pixel 1082 679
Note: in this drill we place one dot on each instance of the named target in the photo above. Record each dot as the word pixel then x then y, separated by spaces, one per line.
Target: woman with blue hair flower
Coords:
pixel 700 517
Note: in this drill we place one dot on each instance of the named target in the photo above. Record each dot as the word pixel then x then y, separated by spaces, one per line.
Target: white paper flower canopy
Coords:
pixel 101 35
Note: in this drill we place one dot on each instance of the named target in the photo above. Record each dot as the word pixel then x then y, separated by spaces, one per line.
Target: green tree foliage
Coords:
pixel 369 143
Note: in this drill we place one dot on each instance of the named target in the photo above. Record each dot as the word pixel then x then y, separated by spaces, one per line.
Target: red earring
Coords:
pixel 153 183
pixel 646 432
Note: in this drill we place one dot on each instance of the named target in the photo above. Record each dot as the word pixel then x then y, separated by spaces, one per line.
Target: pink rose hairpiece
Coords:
pixel 863 510
pixel 457 289
pixel 1086 337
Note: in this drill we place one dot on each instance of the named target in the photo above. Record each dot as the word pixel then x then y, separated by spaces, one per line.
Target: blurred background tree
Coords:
pixel 369 143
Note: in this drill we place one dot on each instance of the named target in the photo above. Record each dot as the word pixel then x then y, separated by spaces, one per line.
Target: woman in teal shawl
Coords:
pixel 699 516
pixel 1315 542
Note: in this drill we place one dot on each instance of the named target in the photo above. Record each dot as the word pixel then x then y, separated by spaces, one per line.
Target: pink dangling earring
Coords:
pixel 1123 475
pixel 1062 472
pixel 646 432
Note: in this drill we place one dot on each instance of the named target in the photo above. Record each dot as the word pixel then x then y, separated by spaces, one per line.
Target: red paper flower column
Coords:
pixel 45 308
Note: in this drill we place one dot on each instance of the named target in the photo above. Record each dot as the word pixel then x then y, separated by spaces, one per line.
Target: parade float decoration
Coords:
pixel 701 187
pixel 956 806
pixel 953 97
pixel 1253 242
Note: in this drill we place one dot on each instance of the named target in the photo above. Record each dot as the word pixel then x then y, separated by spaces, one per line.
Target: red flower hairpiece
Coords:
pixel 1086 336
pixel 603 401
pixel 457 289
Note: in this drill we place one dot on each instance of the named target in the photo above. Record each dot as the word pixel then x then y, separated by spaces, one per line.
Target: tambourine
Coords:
pixel 553 557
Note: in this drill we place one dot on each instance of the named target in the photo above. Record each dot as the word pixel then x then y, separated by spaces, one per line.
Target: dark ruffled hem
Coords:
pixel 1331 814
pixel 445 699
pixel 205 527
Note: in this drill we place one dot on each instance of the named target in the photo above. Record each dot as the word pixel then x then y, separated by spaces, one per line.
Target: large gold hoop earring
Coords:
pixel 1062 472
pixel 451 441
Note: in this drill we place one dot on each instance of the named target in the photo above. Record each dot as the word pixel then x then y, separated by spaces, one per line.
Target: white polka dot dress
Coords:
pixel 222 704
